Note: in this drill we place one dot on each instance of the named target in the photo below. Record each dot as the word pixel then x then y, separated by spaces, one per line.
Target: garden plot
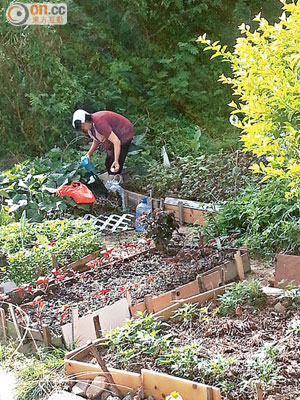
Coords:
pixel 110 280
pixel 247 344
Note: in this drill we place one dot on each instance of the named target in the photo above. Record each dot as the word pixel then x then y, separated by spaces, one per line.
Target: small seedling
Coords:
pixel 186 313
pixel 290 295
pixel 242 293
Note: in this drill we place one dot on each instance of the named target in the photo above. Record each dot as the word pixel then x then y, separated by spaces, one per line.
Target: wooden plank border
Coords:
pixel 154 383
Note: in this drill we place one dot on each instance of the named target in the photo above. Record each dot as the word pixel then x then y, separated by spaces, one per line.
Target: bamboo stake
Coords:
pixel 74 323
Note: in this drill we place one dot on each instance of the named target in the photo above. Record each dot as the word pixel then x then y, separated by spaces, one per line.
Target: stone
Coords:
pixel 105 395
pixel 98 385
pixel 7 287
pixel 113 398
pixel 80 388
pixel 279 308
pixel 127 397
pixel 61 395
pixel 151 397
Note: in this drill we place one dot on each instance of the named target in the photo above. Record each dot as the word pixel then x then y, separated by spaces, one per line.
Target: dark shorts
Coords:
pixel 111 157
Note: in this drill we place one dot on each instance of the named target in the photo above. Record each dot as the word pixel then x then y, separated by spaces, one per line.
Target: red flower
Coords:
pixel 62 317
pixel 59 275
pixel 107 252
pixel 92 263
pixel 19 289
pixel 122 289
pixel 130 244
pixel 51 243
pixel 136 284
pixel 102 292
pixel 42 281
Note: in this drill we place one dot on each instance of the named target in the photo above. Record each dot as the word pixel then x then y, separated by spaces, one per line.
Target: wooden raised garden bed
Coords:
pixel 185 211
pixel 91 307
pixel 153 383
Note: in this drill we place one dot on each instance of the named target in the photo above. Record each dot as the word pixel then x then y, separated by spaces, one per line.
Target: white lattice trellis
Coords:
pixel 113 222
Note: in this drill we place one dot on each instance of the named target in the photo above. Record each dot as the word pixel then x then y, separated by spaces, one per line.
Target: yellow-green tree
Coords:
pixel 266 80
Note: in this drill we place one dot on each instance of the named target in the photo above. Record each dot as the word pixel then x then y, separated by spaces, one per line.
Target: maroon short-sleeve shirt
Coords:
pixel 107 121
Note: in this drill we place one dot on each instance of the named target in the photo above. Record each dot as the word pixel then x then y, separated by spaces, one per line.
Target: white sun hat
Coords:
pixel 79 115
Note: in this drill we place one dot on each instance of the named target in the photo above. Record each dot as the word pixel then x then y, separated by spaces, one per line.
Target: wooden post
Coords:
pixel 239 265
pixel 148 303
pixel 128 297
pixel 259 391
pixel 54 260
pixel 180 213
pixel 3 324
pixel 126 198
pixel 108 375
pixel 13 315
pixel 209 393
pixel 46 335
pixel 161 204
pixel 97 326
pixel 223 276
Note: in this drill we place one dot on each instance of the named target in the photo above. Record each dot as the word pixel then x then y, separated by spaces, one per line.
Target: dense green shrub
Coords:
pixel 31 186
pixel 28 246
pixel 149 68
pixel 265 220
pixel 206 178
pixel 265 82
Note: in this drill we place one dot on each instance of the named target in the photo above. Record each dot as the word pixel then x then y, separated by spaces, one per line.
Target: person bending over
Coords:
pixel 112 131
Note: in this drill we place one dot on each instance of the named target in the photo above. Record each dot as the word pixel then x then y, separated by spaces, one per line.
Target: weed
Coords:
pixel 215 371
pixel 249 293
pixel 183 361
pixel 186 313
pixel 264 364
pixel 36 375
pixel 136 338
pixel 290 295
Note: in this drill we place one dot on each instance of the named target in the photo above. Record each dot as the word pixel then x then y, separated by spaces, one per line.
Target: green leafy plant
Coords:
pixel 160 227
pixel 31 185
pixel 183 360
pixel 264 364
pixel 215 371
pixel 186 313
pixel 31 257
pixel 290 295
pixel 206 178
pixel 137 338
pixel 265 220
pixel 241 293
